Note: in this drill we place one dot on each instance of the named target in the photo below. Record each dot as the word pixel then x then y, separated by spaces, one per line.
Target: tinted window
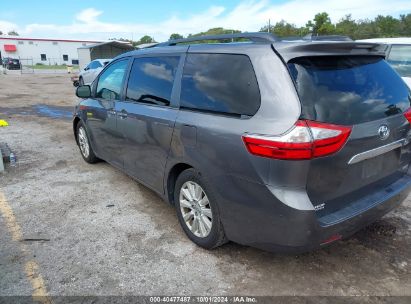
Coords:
pixel 348 90
pixel 151 79
pixel 65 57
pixel 95 65
pixel 43 57
pixel 111 81
pixel 400 59
pixel 222 83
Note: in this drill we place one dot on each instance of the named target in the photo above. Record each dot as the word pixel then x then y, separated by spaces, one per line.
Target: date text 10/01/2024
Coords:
pixel 203 299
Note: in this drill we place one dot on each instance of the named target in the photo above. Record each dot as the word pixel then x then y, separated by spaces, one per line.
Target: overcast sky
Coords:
pixel 101 19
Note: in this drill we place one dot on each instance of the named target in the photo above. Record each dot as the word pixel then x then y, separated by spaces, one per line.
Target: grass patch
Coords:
pixel 50 67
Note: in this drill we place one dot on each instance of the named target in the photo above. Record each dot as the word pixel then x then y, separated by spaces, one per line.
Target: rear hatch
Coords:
pixel 366 94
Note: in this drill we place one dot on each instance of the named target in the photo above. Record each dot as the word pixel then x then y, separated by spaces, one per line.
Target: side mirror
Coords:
pixel 83 91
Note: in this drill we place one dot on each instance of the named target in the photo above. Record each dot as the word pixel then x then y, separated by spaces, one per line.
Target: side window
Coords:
pixel 95 65
pixel 111 81
pixel 151 80
pixel 400 59
pixel 223 83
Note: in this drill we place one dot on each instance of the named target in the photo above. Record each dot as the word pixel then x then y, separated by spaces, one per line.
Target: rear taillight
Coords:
pixel 407 115
pixel 306 140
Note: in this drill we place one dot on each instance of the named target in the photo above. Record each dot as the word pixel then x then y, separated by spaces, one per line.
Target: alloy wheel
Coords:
pixel 83 142
pixel 196 209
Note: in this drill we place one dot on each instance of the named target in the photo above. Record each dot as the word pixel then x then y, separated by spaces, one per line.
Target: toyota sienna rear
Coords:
pixel 285 146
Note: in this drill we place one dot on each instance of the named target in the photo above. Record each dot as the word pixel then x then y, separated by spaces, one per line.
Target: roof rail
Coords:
pixel 260 37
pixel 311 37
pixel 326 37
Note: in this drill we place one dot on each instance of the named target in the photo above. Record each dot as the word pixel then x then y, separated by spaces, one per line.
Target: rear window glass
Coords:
pixel 348 90
pixel 222 83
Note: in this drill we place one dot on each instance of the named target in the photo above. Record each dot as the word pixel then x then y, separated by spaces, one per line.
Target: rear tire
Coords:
pixel 197 210
pixel 84 144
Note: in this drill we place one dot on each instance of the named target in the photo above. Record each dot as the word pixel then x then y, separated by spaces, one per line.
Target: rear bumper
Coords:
pixel 255 217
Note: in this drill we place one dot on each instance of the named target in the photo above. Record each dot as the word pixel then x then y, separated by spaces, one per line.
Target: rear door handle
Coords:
pixel 123 114
pixel 111 112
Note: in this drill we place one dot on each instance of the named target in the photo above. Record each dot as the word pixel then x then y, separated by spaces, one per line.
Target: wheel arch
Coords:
pixel 76 120
pixel 172 176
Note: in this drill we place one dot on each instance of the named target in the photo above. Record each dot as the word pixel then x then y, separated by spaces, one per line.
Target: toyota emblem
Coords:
pixel 383 132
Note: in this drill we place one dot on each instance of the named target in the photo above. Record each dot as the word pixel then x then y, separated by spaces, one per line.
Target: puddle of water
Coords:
pixel 53 111
pixel 59 112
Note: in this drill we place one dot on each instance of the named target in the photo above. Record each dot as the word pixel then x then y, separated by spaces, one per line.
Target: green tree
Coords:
pixel 387 26
pixel 176 36
pixel 145 39
pixel 346 26
pixel 321 24
pixel 13 33
pixel 365 29
pixel 405 25
pixel 217 31
pixel 284 29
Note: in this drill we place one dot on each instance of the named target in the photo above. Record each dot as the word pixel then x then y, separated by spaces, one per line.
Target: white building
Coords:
pixel 43 51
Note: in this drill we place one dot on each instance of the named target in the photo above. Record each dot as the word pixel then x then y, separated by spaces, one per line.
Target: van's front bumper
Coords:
pixel 254 216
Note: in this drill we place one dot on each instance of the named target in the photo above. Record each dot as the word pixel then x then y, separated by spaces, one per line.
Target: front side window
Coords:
pixel 222 83
pixel 400 59
pixel 151 80
pixel 110 81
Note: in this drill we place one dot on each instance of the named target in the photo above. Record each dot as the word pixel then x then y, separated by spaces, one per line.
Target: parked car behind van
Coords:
pixel 90 72
pixel 11 63
pixel 398 55
pixel 285 146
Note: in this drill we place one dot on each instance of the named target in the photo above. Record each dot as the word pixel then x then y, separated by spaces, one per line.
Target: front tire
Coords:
pixel 84 144
pixel 197 210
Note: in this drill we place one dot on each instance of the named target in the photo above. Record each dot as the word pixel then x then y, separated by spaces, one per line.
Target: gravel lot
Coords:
pixel 92 230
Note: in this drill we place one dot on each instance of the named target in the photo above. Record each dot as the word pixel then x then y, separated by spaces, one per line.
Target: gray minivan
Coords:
pixel 284 146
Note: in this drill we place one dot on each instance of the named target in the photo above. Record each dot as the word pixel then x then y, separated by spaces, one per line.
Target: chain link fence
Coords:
pixel 47 65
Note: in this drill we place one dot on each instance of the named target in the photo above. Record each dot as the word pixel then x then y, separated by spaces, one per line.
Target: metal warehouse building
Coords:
pixel 43 51
pixel 109 49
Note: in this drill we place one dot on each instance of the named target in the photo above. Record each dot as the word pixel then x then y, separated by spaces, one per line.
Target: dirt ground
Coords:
pixel 70 228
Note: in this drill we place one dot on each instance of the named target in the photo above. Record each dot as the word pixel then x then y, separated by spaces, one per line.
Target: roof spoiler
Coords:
pixel 290 51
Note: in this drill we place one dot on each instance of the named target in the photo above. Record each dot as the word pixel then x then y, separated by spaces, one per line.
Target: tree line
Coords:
pixel 380 26
pixel 11 33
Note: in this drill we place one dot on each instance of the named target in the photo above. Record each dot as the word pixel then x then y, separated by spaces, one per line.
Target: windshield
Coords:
pixel 400 59
pixel 348 90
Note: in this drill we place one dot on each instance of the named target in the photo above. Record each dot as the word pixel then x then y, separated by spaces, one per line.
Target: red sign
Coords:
pixel 10 47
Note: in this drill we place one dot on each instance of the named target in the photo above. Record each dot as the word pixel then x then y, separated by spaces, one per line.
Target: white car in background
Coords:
pixel 91 71
pixel 398 55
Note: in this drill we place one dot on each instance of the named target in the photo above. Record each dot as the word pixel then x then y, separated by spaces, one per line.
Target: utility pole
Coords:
pixel 269 25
